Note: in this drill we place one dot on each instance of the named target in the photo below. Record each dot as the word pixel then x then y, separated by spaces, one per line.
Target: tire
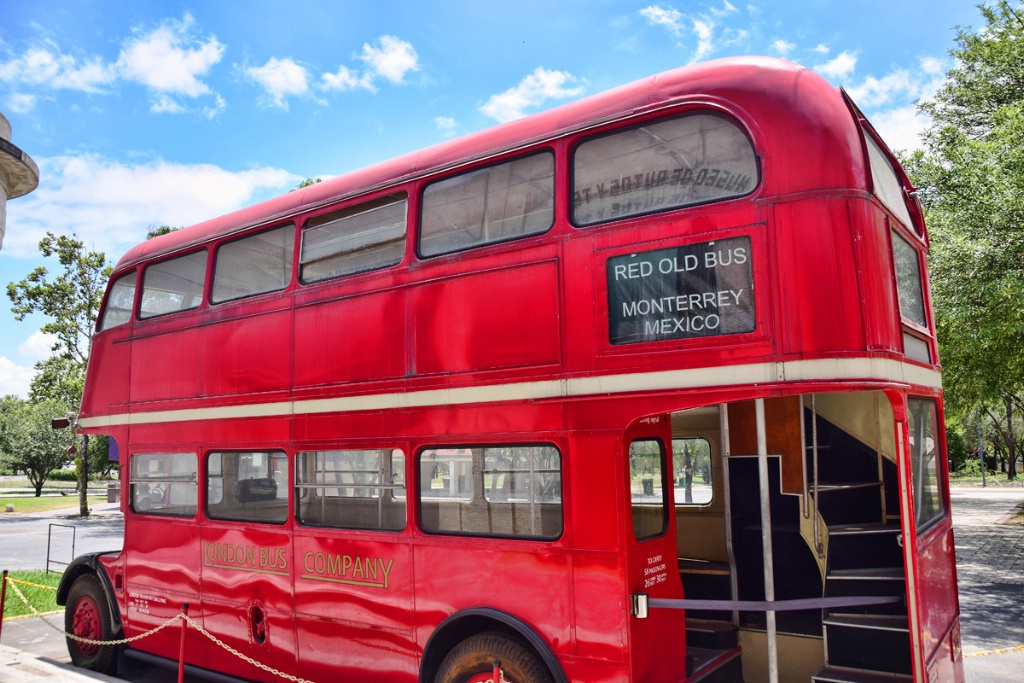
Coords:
pixel 472 661
pixel 87 615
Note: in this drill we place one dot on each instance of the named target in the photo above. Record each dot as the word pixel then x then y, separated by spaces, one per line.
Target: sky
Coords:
pixel 142 114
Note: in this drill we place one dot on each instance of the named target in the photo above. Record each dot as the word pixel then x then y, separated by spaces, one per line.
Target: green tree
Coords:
pixel 28 443
pixel 70 301
pixel 306 183
pixel 971 179
pixel 162 230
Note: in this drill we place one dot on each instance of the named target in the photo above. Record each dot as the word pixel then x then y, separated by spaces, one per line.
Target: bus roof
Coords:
pixel 782 97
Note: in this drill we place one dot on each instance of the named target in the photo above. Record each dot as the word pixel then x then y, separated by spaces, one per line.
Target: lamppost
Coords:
pixel 83 478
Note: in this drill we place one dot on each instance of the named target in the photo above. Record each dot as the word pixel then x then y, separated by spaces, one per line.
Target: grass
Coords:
pixel 42 599
pixel 45 503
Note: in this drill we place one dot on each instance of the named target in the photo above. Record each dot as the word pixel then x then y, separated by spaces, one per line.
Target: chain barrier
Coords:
pixel 124 641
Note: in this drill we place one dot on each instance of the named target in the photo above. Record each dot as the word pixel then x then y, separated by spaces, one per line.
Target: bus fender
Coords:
pixel 465 623
pixel 90 564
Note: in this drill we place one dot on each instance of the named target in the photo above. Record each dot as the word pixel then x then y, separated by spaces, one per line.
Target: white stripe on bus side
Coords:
pixel 885 369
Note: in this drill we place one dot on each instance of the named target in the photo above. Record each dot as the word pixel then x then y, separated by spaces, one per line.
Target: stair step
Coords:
pixel 710 633
pixel 876 622
pixel 868 574
pixel 862 529
pixel 839 674
pixel 825 487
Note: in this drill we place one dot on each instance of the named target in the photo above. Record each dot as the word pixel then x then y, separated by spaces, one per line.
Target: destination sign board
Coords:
pixel 695 290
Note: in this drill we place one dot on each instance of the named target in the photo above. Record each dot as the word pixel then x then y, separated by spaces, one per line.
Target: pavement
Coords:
pixel 990 570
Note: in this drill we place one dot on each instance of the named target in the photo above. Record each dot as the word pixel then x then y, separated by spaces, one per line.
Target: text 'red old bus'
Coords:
pixel 642 388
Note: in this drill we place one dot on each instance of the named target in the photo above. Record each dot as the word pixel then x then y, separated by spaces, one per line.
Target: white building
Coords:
pixel 19 175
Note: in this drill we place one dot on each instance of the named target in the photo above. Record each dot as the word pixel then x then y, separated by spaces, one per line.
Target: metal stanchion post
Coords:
pixel 181 653
pixel 3 600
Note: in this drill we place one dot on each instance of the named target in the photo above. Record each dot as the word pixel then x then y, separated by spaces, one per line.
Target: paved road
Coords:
pixel 990 565
pixel 990 570
pixel 26 538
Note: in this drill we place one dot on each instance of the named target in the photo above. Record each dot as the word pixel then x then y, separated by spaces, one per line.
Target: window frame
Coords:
pixel 479 497
pixel 394 453
pixel 350 209
pixel 101 320
pixel 271 453
pixel 200 300
pixel 935 481
pixel 635 519
pixel 546 150
pixel 236 240
pixel 654 119
pixel 167 481
pixel 711 469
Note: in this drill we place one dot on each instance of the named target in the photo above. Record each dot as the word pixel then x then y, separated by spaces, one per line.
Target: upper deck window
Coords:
pixel 661 165
pixel 355 239
pixel 486 205
pixel 173 285
pixel 254 265
pixel 908 280
pixel 119 302
pixel 886 183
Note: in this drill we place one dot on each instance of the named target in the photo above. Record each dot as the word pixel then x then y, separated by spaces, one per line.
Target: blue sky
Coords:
pixel 142 114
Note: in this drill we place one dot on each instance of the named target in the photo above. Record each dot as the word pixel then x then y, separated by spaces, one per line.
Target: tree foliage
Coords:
pixel 70 299
pixel 27 440
pixel 971 179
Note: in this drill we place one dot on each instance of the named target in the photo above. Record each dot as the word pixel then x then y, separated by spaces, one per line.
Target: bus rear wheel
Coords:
pixel 472 661
pixel 87 615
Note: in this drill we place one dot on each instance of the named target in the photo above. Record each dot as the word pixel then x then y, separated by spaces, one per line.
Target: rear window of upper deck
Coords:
pixel 660 165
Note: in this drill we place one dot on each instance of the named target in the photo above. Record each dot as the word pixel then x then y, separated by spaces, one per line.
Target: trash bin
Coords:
pixel 648 485
pixel 113 493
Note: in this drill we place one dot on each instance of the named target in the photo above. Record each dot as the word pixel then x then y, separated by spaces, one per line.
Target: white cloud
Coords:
pixel 15 379
pixel 821 49
pixel 901 128
pixel 783 47
pixel 169 61
pixel 392 60
pixel 669 17
pixel 873 92
pixel 444 122
pixel 727 8
pixel 932 65
pixel 704 30
pixel 45 65
pixel 532 91
pixel 345 79
pixel 702 26
pixel 110 204
pixel 842 66
pixel 281 78
pixel 38 346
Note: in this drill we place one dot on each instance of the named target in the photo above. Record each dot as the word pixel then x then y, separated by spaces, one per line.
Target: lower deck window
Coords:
pixel 647 488
pixel 351 489
pixel 164 484
pixel 492 491
pixel 249 486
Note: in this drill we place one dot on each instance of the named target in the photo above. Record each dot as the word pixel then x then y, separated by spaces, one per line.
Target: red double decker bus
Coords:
pixel 641 388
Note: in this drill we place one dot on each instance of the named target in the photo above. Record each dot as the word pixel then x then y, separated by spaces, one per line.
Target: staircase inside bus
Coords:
pixel 857 553
pixel 857 497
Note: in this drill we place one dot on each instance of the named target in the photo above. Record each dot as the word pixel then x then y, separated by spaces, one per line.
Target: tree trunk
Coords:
pixel 1011 443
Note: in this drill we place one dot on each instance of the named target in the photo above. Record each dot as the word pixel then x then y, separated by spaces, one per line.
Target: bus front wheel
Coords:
pixel 472 661
pixel 87 615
